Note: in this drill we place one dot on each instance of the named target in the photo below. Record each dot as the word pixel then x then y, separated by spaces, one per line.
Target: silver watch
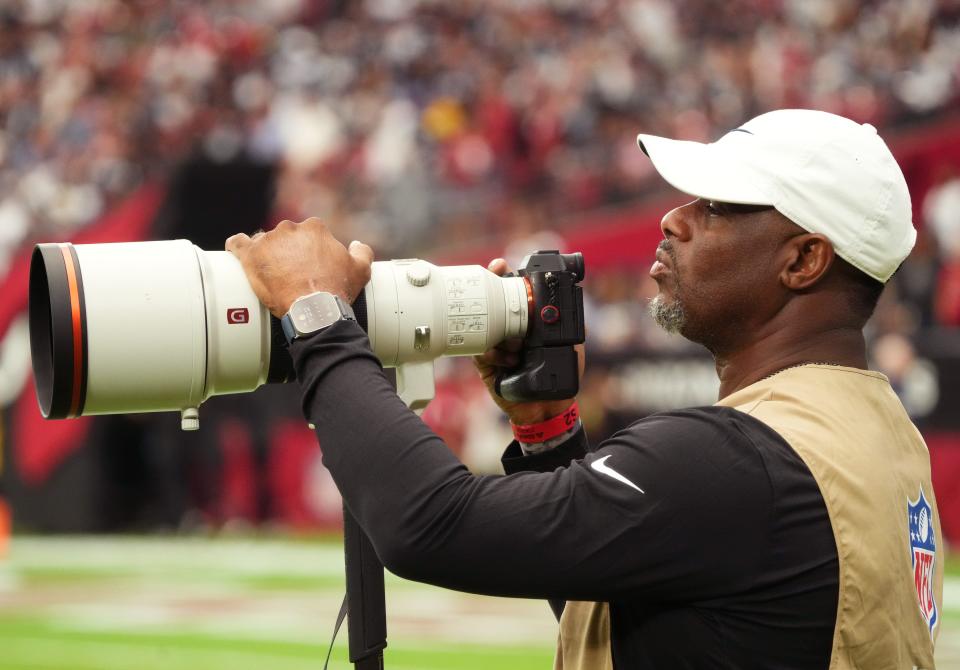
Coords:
pixel 314 312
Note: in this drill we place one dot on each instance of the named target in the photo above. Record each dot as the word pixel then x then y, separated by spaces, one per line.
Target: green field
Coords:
pixel 179 604
pixel 185 604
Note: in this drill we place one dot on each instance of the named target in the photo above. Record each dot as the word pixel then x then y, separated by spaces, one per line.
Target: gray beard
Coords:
pixel 669 316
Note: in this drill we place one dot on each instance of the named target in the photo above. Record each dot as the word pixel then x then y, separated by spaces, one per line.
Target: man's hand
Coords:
pixel 507 355
pixel 295 259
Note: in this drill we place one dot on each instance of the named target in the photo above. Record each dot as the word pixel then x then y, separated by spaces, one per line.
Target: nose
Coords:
pixel 674 224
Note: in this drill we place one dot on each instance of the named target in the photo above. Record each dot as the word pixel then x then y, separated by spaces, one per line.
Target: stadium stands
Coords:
pixel 447 129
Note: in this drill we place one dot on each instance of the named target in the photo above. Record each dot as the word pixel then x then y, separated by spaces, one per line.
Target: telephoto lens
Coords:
pixel 162 326
pixel 144 327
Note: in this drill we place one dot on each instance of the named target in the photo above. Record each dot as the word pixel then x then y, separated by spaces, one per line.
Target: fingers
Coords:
pixel 504 355
pixel 242 240
pixel 496 359
pixel 511 346
pixel 581 358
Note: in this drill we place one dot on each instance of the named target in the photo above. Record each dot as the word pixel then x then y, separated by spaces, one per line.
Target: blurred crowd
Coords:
pixel 422 126
pixel 416 124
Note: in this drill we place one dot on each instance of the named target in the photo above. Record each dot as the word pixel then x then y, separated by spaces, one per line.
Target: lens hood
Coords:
pixel 58 330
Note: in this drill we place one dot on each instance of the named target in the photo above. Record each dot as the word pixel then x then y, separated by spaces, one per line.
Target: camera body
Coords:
pixel 549 369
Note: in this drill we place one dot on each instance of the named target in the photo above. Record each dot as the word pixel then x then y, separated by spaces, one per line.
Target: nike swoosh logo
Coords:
pixel 601 466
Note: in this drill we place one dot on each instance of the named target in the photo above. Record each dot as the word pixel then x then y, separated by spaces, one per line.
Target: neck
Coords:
pixel 783 348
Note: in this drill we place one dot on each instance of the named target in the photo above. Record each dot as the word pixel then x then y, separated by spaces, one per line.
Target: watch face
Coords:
pixel 314 312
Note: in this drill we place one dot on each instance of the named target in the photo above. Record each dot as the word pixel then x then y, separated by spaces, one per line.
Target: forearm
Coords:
pixel 518 459
pixel 384 460
pixel 427 515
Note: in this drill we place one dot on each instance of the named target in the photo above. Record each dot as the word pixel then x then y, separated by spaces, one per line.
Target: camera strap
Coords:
pixel 336 629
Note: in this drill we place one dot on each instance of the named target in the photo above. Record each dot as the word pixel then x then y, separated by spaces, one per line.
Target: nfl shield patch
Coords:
pixel 923 553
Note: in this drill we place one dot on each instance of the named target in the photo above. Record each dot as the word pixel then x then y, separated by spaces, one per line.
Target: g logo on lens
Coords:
pixel 238 315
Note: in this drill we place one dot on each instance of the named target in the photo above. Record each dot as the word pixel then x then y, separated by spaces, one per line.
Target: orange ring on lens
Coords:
pixel 74 289
pixel 529 287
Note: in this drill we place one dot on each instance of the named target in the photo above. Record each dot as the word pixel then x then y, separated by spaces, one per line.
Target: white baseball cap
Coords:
pixel 826 173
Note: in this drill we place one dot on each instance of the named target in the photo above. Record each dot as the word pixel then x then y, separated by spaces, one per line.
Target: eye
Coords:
pixel 713 208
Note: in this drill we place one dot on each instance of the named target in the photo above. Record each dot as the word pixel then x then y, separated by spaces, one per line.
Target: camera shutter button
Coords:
pixel 418 274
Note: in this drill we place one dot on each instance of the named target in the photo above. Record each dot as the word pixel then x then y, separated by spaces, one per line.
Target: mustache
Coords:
pixel 666 246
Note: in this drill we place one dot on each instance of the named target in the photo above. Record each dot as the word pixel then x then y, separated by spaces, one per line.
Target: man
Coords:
pixel 791 525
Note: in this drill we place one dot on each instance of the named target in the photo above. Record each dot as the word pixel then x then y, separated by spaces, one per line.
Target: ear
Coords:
pixel 808 258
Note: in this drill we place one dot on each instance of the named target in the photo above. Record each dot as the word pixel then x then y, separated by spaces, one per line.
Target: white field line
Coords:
pixel 176 554
pixel 185 558
pixel 425 615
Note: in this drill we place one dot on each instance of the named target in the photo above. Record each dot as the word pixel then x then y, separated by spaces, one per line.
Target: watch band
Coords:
pixel 288 325
pixel 346 311
pixel 289 332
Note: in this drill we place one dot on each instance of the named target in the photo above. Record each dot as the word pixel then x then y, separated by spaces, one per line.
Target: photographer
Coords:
pixel 792 524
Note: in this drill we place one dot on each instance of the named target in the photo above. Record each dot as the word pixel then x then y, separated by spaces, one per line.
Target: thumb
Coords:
pixel 236 243
pixel 498 266
pixel 362 256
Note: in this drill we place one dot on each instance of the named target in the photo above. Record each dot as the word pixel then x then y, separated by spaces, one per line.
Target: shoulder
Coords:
pixel 710 425
pixel 700 445
pixel 708 442
pixel 711 441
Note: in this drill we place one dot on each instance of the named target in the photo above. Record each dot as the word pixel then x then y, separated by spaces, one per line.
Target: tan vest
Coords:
pixel 872 468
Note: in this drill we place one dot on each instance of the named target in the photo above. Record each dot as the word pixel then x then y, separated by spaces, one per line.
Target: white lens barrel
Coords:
pixel 160 326
pixel 417 311
pixel 238 327
pixel 146 329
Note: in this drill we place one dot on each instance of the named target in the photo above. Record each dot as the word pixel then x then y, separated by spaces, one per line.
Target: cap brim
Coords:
pixel 706 171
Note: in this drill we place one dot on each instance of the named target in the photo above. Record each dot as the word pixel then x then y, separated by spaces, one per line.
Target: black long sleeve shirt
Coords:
pixel 702 528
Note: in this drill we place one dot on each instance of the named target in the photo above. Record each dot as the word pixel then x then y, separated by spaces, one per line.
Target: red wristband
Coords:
pixel 549 429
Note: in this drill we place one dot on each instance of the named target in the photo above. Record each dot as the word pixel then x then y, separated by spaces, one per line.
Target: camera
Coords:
pixel 163 326
pixel 549 369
